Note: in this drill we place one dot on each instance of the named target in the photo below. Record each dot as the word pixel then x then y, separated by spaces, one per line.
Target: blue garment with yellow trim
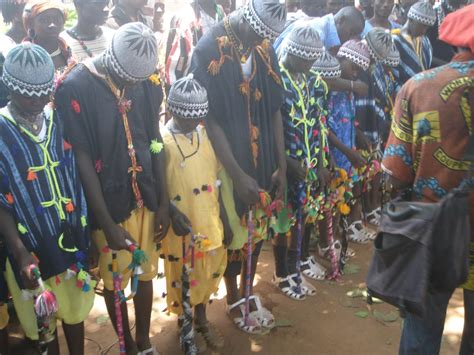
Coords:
pixel 23 193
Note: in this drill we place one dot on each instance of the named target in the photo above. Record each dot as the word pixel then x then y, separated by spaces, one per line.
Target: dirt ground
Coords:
pixel 328 323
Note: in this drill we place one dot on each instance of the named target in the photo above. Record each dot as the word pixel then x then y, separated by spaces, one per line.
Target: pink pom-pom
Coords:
pixel 105 249
pixel 194 283
pixel 46 304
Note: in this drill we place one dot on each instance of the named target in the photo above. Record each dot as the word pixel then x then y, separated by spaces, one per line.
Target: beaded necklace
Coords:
pixel 73 33
pixel 123 107
pixel 236 42
pixel 183 162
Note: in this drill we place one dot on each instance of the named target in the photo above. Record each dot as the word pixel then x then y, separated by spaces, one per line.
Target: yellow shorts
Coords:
pixel 4 318
pixel 74 305
pixel 141 226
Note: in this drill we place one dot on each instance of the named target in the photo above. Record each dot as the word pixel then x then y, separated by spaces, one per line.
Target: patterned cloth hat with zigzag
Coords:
pixel 379 41
pixel 29 70
pixel 423 13
pixel 266 17
pixel 304 42
pixel 327 66
pixel 132 53
pixel 357 52
pixel 188 99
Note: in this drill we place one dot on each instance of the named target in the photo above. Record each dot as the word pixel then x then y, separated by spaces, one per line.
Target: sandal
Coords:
pixel 306 287
pixel 326 253
pixel 350 253
pixel 253 327
pixel 263 315
pixel 199 341
pixel 150 351
pixel 211 335
pixel 312 269
pixel 288 287
pixel 356 235
pixel 374 217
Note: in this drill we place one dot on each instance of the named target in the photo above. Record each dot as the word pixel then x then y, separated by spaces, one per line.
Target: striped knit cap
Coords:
pixel 266 17
pixel 327 66
pixel 132 53
pixel 379 41
pixel 423 13
pixel 188 99
pixel 357 52
pixel 304 42
pixel 29 70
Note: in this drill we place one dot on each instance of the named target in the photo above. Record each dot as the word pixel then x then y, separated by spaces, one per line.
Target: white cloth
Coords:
pixel 96 46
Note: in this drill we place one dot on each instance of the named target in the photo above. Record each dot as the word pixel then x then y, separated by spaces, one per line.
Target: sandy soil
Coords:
pixel 324 324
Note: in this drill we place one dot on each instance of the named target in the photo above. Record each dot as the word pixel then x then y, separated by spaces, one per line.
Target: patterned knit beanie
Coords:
pixel 29 70
pixel 188 99
pixel 379 41
pixel 423 13
pixel 327 66
pixel 132 53
pixel 266 17
pixel 304 42
pixel 357 52
pixel 393 57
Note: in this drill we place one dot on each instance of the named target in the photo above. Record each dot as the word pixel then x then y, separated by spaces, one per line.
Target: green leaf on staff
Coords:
pixel 362 314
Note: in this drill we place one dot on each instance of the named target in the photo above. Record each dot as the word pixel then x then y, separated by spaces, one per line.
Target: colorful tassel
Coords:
pixel 31 176
pixel 75 106
pixel 66 145
pixel 156 147
pixel 70 207
pixel 22 229
pixel 9 198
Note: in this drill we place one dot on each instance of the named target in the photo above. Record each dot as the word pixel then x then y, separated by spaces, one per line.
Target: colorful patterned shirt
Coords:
pixel 41 188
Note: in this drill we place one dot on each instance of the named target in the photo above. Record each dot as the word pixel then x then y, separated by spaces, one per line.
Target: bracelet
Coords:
pixel 352 85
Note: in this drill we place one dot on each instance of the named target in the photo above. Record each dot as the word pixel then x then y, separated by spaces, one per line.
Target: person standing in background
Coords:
pixel 44 20
pixel 88 38
pixel 126 11
pixel 442 52
pixel 185 32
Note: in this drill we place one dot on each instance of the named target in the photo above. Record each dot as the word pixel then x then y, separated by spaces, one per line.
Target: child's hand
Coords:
pixel 247 189
pixel 180 223
pixel 117 237
pixel 360 88
pixel 24 265
pixel 162 223
pixel 295 170
pixel 324 177
pixel 356 159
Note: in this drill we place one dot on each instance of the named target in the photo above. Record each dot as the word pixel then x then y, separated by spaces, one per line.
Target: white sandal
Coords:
pixel 374 217
pixel 306 287
pixel 253 328
pixel 289 290
pixel 262 315
pixel 312 269
pixel 355 235
pixel 150 351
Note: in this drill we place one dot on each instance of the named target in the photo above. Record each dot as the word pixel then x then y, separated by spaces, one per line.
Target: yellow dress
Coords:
pixel 193 186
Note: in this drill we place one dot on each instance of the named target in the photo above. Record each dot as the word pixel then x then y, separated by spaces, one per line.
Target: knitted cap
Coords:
pixel 188 99
pixel 266 17
pixel 327 66
pixel 423 13
pixel 357 52
pixel 304 42
pixel 393 57
pixel 379 41
pixel 133 52
pixel 28 70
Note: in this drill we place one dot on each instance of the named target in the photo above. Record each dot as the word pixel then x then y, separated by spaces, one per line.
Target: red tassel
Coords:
pixel 98 166
pixel 79 284
pixel 199 255
pixel 75 106
pixel 70 207
pixel 31 176
pixel 9 198
pixel 58 280
pixel 67 145
pixel 209 188
pixel 105 249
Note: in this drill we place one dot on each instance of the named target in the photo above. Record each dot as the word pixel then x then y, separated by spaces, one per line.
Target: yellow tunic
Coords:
pixel 194 187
